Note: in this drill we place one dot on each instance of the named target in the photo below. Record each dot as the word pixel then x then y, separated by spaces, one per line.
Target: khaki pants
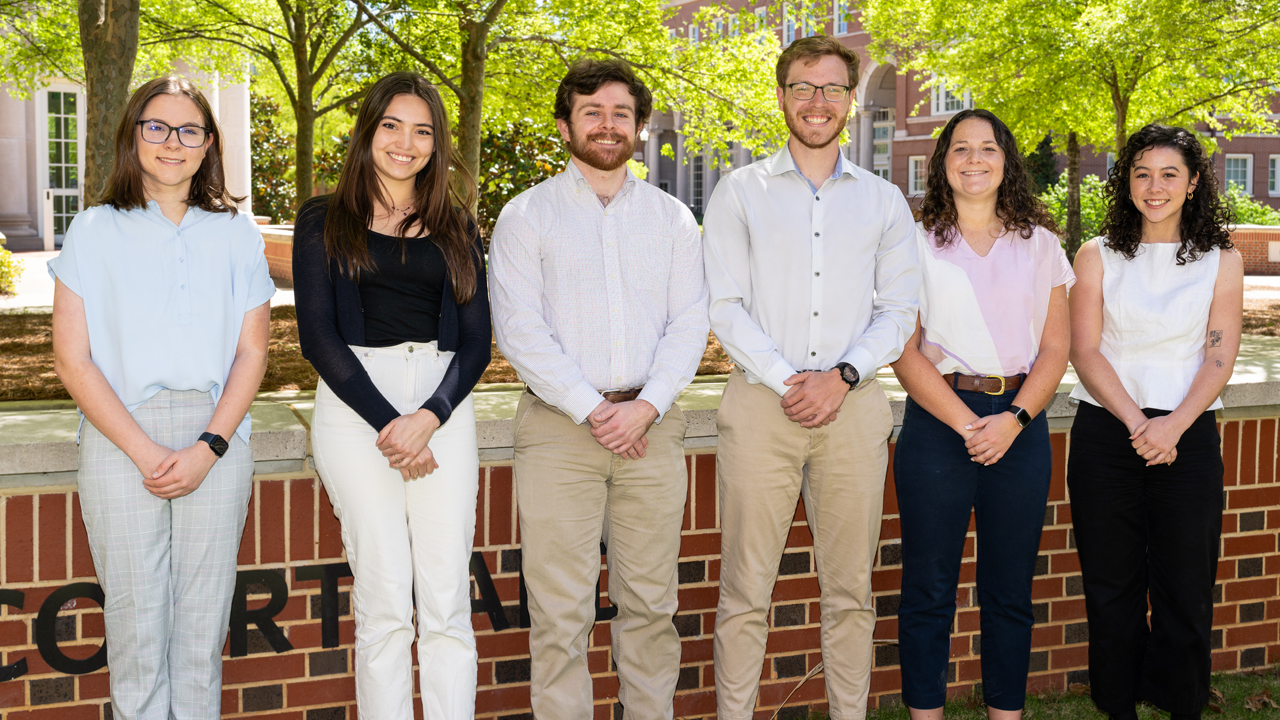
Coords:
pixel 763 463
pixel 572 493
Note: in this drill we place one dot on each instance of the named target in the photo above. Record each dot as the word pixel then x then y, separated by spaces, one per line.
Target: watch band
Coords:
pixel 849 374
pixel 1021 415
pixel 215 443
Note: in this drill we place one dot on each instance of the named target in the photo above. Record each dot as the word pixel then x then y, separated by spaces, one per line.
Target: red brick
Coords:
pixel 890 529
pixel 97 685
pixel 81 558
pixel 1267 451
pixel 1064 563
pixel 1224 614
pixel 1249 545
pixel 230 701
pixel 1230 452
pixel 501 505
pixel 329 691
pixel 1272 565
pixel 1225 660
pixel 271 524
pixel 702 702
pixel 64 712
pixel 35 664
pixel 330 530
pixel 704 473
pixel 238 671
pixel 1250 589
pixel 967 622
pixel 92 625
pixel 799 536
pixel 696 651
pixel 248 554
pixel 481 493
pixel 886 580
pixel 13 632
pixel 1046 636
pixel 512 643
pixel 1249 452
pixel 1229 523
pixel 1273 519
pixel 1066 658
pixel 890 489
pixel 790 641
pixel 1053 539
pixel 302 513
pixel 698 544
pixel 1063 610
pixel 19 531
pixel 1058 478
pixel 969 669
pixel 13 694
pixel 1042 588
pixel 1251 634
pixel 1063 511
pixel 795 589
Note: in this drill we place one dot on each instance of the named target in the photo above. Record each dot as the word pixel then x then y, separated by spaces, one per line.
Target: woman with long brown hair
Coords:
pixel 989 349
pixel 393 312
pixel 160 329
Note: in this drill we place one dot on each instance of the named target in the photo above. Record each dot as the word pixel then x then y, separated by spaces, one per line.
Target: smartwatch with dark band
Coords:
pixel 215 443
pixel 1022 416
pixel 849 374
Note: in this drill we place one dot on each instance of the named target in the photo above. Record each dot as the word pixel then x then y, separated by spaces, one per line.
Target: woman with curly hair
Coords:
pixel 989 349
pixel 1155 331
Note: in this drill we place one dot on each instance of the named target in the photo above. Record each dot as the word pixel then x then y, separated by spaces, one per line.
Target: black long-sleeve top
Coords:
pixel 331 317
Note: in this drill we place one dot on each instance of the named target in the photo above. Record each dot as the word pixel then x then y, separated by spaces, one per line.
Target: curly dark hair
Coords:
pixel 1206 215
pixel 1016 206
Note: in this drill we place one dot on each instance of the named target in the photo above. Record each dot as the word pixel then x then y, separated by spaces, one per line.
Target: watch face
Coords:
pixel 220 446
pixel 849 374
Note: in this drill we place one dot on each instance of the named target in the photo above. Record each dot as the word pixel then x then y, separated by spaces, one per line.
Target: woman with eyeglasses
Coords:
pixel 1155 328
pixel 989 350
pixel 160 328
pixel 394 314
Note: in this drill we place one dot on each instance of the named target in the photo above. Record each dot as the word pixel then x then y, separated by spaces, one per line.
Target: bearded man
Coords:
pixel 813 275
pixel 600 303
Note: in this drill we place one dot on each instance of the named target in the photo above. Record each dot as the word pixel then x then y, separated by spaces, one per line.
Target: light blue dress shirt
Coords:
pixel 164 303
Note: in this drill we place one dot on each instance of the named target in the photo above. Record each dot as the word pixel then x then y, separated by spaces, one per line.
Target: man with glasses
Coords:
pixel 813 275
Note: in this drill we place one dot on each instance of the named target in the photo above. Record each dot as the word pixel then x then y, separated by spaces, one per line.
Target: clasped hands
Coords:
pixel 170 474
pixel 1156 439
pixel 988 438
pixel 404 443
pixel 814 398
pixel 620 427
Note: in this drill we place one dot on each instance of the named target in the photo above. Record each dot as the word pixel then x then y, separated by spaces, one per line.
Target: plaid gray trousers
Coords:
pixel 167 567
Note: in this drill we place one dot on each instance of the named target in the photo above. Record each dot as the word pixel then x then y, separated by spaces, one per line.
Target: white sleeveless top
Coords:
pixel 1155 316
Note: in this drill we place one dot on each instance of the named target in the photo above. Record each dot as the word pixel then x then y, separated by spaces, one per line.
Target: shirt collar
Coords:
pixel 580 182
pixel 782 162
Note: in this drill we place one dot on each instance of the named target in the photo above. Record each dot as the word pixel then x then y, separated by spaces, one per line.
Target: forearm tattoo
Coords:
pixel 1215 338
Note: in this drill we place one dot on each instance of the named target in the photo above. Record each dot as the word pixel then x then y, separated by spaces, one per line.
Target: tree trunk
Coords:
pixel 109 42
pixel 471 98
pixel 304 109
pixel 1073 195
pixel 1122 125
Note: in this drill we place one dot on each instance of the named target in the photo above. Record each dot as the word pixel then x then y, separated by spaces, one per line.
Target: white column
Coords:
pixel 866 143
pixel 855 137
pixel 15 218
pixel 652 157
pixel 682 184
pixel 233 120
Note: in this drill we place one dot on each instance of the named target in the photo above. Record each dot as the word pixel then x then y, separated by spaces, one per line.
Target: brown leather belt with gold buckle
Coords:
pixel 613 396
pixel 989 384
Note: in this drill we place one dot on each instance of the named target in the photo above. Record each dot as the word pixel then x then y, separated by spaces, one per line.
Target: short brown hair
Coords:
pixel 124 190
pixel 587 75
pixel 809 50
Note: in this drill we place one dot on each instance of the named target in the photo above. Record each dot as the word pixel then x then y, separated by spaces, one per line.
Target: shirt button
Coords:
pixel 181 259
pixel 182 287
pixel 815 314
pixel 813 354
pixel 817 234
pixel 817 274
pixel 815 197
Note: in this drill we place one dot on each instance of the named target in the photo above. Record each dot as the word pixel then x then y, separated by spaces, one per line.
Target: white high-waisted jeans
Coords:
pixel 405 540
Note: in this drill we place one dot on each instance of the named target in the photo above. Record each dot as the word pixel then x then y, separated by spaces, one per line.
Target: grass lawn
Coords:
pixel 26 358
pixel 1244 696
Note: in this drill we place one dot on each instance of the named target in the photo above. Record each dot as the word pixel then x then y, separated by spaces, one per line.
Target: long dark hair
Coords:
pixel 1016 206
pixel 124 189
pixel 1205 215
pixel 441 203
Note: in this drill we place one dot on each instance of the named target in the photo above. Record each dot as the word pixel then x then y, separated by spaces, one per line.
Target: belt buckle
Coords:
pixel 1001 390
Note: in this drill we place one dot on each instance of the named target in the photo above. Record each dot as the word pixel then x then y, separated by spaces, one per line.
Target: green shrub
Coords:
pixel 1249 211
pixel 1093 206
pixel 271 158
pixel 10 271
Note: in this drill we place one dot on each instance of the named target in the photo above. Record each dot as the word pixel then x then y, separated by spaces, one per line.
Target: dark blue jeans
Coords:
pixel 938 484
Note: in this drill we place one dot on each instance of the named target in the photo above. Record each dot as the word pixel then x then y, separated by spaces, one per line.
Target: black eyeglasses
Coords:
pixel 156 132
pixel 805 91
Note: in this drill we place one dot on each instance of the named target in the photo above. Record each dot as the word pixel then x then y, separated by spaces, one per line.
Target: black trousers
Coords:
pixel 1146 532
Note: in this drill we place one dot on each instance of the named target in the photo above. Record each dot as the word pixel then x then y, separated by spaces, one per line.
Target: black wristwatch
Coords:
pixel 849 374
pixel 1022 416
pixel 215 443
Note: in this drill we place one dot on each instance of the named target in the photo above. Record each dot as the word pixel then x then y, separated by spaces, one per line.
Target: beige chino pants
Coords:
pixel 764 462
pixel 572 494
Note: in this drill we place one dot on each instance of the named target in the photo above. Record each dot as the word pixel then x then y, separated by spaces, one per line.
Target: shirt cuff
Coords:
pixel 580 401
pixel 776 376
pixel 659 395
pixel 862 361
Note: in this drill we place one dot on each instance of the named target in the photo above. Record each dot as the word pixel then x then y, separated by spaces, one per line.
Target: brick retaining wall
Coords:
pixel 1254 243
pixel 291 529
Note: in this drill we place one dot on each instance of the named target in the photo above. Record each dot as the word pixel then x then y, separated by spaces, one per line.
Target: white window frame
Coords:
pixel 42 143
pixel 938 97
pixel 917 174
pixel 698 183
pixel 692 33
pixel 840 16
pixel 788 26
pixel 1273 175
pixel 762 17
pixel 1248 171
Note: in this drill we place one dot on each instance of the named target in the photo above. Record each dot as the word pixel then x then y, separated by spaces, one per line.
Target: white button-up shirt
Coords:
pixel 588 298
pixel 803 280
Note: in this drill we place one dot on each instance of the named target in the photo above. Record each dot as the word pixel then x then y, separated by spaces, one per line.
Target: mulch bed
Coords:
pixel 26 358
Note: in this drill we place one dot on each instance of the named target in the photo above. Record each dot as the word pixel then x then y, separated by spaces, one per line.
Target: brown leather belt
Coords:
pixel 613 396
pixel 989 384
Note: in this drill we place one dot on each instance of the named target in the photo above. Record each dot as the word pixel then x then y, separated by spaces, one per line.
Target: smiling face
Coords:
pixel 975 162
pixel 601 130
pixel 1159 182
pixel 404 141
pixel 170 165
pixel 815 122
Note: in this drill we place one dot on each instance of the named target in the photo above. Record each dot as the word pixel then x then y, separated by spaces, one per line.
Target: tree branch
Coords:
pixel 422 59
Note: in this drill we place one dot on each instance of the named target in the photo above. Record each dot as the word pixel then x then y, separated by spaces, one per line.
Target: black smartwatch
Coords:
pixel 215 443
pixel 1022 416
pixel 849 374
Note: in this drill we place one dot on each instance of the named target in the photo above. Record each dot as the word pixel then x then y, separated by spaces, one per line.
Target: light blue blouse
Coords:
pixel 164 303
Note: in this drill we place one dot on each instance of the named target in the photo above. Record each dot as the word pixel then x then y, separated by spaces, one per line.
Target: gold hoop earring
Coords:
pixel 1191 194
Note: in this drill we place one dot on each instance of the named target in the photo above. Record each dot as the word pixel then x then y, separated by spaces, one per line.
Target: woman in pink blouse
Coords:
pixel 989 349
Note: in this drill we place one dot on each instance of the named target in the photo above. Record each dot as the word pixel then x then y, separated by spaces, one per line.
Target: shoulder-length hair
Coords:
pixel 1016 206
pixel 442 194
pixel 124 188
pixel 1205 215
